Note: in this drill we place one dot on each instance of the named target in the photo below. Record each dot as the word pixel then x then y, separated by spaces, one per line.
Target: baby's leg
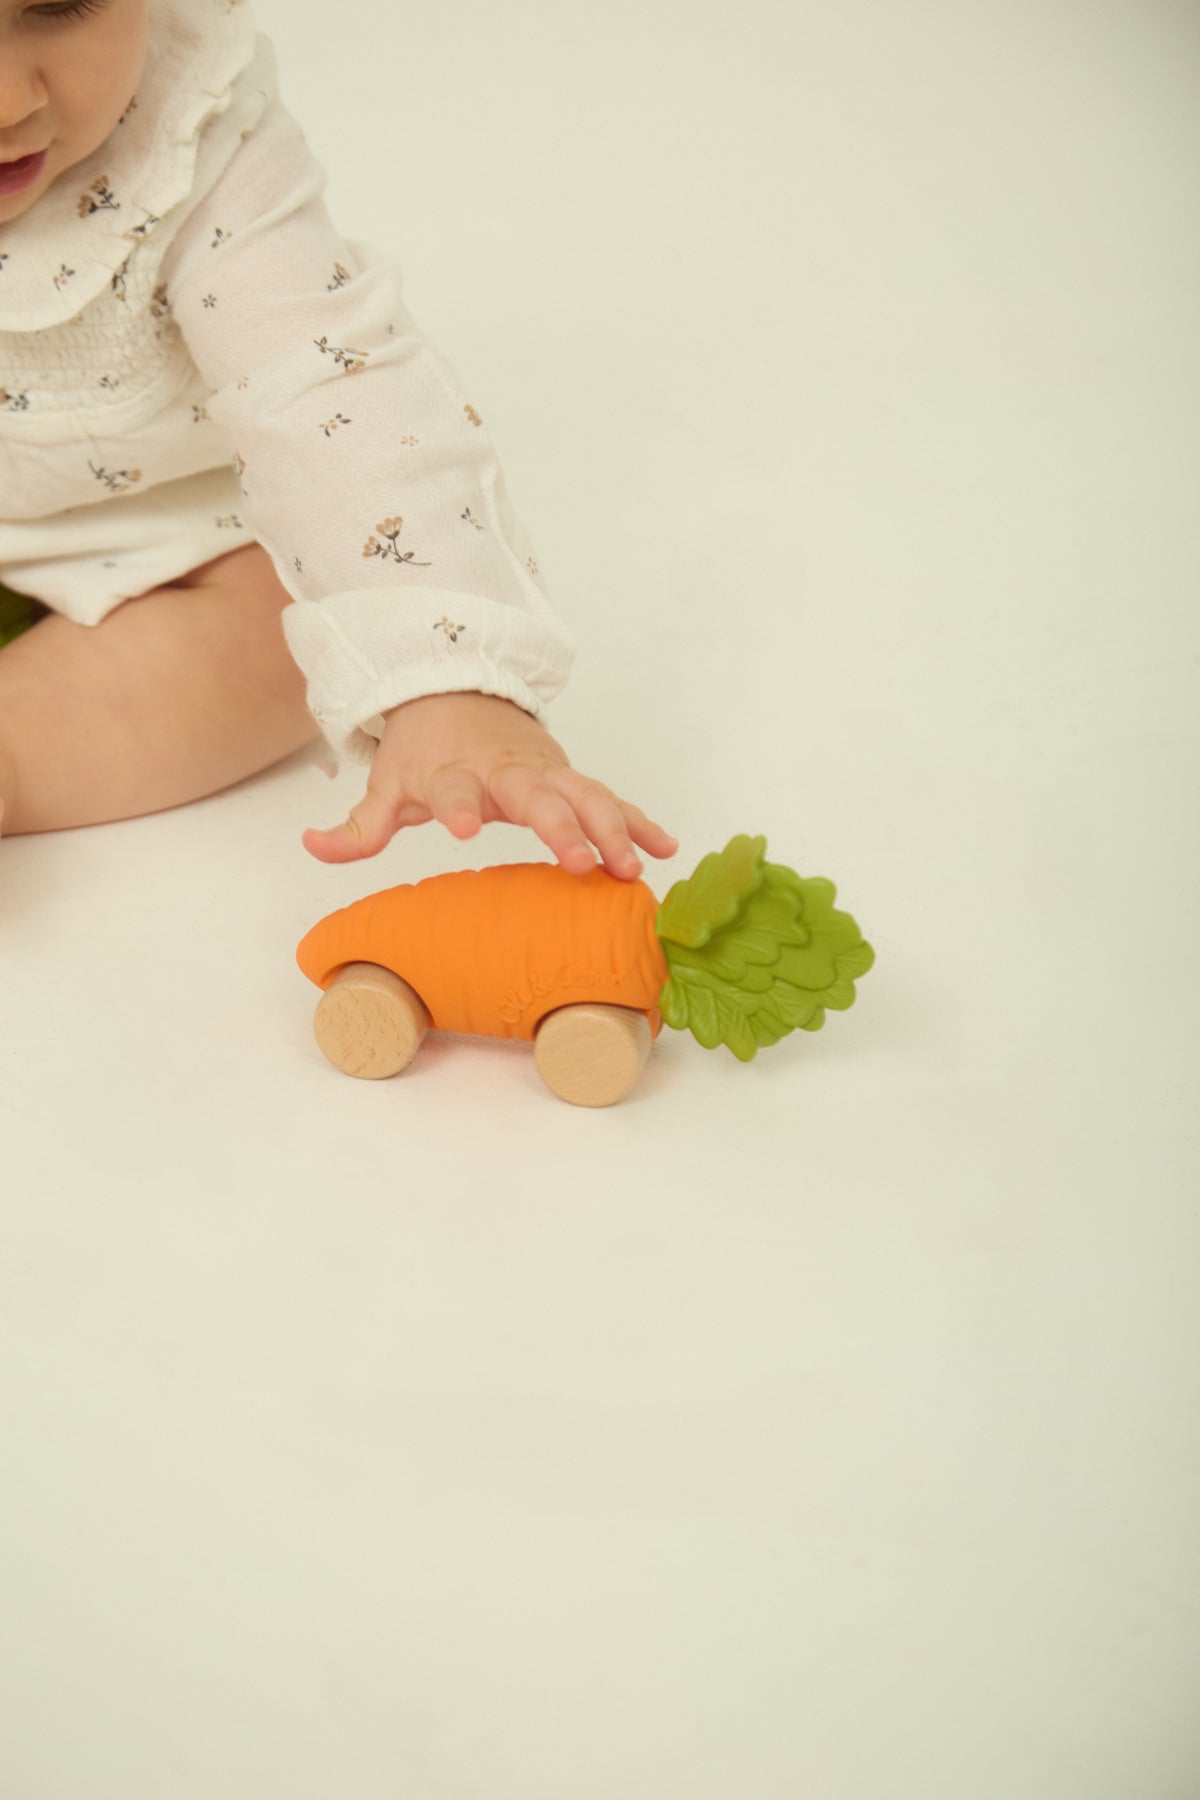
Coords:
pixel 173 696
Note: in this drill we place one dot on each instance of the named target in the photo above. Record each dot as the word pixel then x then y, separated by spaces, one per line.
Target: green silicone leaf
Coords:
pixel 810 967
pixel 714 1015
pixel 767 1030
pixel 672 1004
pixel 793 1005
pixel 736 1030
pixel 702 1014
pixel 712 894
pixel 856 960
pixel 756 951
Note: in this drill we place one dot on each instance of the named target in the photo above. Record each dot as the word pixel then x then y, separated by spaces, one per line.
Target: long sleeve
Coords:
pixel 366 475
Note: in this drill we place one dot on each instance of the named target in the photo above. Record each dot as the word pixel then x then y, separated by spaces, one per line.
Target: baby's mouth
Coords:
pixel 22 162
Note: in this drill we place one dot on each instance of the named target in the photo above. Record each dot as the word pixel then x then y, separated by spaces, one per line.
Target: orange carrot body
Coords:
pixel 492 951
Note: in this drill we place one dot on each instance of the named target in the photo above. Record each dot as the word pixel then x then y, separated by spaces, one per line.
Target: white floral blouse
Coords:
pixel 192 359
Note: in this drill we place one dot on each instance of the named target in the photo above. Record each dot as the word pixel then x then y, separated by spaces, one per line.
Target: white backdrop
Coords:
pixel 826 1427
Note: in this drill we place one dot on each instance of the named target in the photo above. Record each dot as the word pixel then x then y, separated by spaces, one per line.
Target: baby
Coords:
pixel 247 495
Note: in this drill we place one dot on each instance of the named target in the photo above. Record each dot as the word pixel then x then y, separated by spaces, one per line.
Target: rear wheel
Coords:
pixel 591 1055
pixel 369 1022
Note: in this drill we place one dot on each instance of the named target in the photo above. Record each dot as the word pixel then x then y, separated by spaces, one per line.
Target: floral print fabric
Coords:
pixel 193 358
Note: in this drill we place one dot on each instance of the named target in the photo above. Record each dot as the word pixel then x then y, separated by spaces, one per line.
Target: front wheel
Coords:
pixel 370 1023
pixel 591 1055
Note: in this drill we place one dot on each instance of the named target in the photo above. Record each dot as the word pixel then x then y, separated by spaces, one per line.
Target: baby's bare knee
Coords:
pixel 173 696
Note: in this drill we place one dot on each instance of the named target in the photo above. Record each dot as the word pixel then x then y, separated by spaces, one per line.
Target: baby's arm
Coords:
pixel 419 616
pixel 469 759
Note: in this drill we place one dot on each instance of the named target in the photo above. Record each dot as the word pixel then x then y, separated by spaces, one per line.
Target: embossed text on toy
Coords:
pixel 520 1002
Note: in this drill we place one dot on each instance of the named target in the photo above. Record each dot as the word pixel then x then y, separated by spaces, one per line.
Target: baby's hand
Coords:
pixel 469 759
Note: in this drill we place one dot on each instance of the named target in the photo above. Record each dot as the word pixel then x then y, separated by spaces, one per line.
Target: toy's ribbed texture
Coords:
pixel 492 951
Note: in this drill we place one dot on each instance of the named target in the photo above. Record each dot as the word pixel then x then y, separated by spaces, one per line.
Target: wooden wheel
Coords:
pixel 369 1022
pixel 591 1055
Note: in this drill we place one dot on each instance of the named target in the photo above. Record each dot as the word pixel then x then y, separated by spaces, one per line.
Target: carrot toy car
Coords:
pixel 586 967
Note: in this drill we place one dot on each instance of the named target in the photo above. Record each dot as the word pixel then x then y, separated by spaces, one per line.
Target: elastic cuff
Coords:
pixel 368 650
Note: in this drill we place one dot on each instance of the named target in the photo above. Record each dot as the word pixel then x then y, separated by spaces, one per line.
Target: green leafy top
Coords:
pixel 755 951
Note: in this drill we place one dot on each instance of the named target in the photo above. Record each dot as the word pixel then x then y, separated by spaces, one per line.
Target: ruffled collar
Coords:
pixel 57 257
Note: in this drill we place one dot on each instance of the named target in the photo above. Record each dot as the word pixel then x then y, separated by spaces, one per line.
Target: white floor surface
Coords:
pixel 822 1429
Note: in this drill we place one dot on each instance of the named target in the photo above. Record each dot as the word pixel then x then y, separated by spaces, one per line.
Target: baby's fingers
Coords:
pixel 456 800
pixel 524 798
pixel 371 826
pixel 600 814
pixel 645 832
pixel 614 825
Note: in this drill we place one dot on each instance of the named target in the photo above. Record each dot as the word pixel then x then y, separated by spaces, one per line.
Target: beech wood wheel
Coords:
pixel 369 1022
pixel 590 1054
